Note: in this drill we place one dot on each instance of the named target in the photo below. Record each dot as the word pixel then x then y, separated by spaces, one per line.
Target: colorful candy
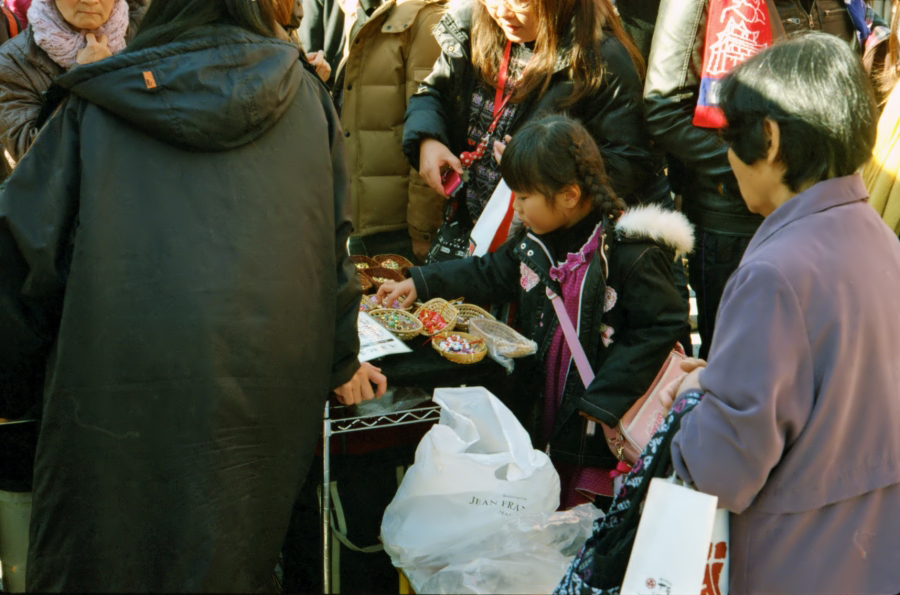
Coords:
pixel 372 303
pixel 432 321
pixel 395 321
pixel 457 344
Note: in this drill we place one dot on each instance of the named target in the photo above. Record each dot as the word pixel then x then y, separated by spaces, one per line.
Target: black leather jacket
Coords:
pixel 648 316
pixel 698 165
pixel 613 115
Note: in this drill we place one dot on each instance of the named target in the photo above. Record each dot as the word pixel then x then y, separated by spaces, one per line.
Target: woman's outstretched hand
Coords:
pixel 433 156
pixel 394 290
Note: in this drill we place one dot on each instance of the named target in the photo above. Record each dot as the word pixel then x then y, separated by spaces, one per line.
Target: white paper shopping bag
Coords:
pixel 671 547
pixel 493 224
pixel 715 582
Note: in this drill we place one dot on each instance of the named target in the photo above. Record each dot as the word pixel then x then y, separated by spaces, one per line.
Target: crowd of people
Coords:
pixel 184 182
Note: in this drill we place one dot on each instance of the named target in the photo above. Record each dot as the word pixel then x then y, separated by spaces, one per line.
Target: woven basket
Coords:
pixel 400 262
pixel 363 262
pixel 505 340
pixel 379 275
pixel 367 285
pixel 466 312
pixel 445 309
pixel 461 358
pixel 415 327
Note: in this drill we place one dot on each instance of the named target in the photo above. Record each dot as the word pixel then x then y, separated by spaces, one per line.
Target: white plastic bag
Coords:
pixel 529 554
pixel 474 473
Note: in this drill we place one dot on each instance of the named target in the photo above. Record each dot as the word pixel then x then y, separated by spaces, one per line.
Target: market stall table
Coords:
pixel 423 369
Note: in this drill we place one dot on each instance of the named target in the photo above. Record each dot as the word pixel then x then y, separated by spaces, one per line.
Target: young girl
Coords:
pixel 612 270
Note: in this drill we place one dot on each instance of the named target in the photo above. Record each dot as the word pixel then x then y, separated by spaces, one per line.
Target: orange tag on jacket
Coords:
pixel 149 80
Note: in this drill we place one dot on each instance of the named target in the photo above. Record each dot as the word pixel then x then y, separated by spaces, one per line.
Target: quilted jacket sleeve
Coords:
pixel 424 207
pixel 20 101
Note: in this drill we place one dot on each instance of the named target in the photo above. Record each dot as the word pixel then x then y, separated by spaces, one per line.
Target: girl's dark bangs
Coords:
pixel 520 169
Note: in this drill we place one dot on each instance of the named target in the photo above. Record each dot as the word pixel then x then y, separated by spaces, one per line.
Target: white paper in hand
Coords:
pixel 490 221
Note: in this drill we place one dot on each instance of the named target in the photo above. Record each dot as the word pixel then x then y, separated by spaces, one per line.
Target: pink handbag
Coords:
pixel 634 430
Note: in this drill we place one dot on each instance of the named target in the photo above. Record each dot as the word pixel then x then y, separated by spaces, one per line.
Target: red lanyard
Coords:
pixel 467 158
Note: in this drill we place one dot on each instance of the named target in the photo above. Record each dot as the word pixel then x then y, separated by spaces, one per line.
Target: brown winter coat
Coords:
pixel 388 58
pixel 26 71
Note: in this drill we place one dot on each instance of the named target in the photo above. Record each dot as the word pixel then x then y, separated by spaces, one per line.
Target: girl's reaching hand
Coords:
pixel 393 290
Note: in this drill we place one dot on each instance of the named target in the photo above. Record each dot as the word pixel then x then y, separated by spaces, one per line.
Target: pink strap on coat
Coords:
pixel 581 360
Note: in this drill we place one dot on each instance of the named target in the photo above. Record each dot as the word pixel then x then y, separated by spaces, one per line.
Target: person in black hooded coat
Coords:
pixel 176 281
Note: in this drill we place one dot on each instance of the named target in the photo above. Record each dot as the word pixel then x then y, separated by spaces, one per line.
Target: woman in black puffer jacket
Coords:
pixel 558 63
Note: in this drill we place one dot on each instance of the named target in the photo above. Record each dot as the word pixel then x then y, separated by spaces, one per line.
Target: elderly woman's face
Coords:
pixel 85 14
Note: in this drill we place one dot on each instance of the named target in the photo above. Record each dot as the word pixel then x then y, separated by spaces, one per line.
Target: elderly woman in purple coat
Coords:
pixel 798 432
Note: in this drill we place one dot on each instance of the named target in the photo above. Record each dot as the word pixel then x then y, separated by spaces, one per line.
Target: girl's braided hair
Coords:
pixel 548 154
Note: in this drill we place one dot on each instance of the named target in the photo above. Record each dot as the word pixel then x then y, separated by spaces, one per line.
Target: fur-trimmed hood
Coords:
pixel 664 226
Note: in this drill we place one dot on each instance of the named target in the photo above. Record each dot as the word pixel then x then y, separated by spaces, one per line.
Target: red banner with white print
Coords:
pixel 735 30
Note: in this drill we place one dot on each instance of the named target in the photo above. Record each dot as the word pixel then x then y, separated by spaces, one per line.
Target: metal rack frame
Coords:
pixel 359 423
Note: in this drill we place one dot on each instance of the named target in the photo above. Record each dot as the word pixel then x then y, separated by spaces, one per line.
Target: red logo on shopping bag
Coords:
pixel 718 553
pixel 660 587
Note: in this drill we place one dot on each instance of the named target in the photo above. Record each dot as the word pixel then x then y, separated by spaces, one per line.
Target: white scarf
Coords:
pixel 54 35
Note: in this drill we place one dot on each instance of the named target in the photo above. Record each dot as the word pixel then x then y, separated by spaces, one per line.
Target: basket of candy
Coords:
pixel 436 315
pixel 363 262
pixel 394 262
pixel 401 323
pixel 461 348
pixel 501 338
pixel 365 281
pixel 380 275
pixel 466 312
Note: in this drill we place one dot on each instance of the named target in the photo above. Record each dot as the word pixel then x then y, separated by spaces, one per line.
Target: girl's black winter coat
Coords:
pixel 648 317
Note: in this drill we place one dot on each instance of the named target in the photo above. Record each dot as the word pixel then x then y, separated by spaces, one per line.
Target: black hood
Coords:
pixel 219 89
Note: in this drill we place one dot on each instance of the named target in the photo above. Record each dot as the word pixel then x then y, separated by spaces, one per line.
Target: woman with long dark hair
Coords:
pixel 503 63
pixel 176 283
